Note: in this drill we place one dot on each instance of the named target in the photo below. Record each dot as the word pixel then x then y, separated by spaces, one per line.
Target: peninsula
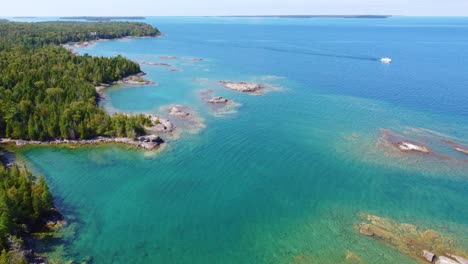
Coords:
pixel 48 94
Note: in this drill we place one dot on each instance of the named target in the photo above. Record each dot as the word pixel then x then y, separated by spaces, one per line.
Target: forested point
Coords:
pixel 23 201
pixel 47 93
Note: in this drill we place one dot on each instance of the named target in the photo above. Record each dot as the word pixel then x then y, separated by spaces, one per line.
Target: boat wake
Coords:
pixel 289 49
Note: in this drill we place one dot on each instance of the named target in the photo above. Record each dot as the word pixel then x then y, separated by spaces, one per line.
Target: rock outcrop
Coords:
pixel 428 255
pixel 95 141
pixel 244 87
pixel 422 245
pixel 407 146
pixel 150 142
pixel 218 100
pixel 136 79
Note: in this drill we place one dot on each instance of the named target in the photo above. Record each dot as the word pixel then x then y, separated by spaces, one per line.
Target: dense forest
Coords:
pixel 23 200
pixel 46 92
pixel 44 33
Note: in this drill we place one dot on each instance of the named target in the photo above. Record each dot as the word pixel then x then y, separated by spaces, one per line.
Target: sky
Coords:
pixel 11 8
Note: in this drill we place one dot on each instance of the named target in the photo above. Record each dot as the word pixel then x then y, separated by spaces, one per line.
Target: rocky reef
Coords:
pixel 253 88
pixel 184 119
pixel 418 144
pixel 402 143
pixel 218 100
pixel 166 57
pixel 245 87
pixel 219 106
pixel 425 246
pixel 155 63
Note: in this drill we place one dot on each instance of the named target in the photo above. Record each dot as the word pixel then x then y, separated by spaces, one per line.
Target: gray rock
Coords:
pixel 218 100
pixel 164 126
pixel 445 260
pixel 462 260
pixel 151 139
pixel 428 255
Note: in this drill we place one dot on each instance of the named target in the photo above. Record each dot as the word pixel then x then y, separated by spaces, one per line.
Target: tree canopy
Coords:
pixel 46 92
pixel 23 200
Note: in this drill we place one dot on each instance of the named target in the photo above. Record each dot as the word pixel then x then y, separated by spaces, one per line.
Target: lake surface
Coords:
pixel 289 172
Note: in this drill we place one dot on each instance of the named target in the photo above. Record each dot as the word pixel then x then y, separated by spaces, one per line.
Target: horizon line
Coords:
pixel 259 15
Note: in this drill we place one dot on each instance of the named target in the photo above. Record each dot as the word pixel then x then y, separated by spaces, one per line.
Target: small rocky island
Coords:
pixel 218 105
pixel 245 87
pixel 402 143
pixel 407 146
pixel 218 100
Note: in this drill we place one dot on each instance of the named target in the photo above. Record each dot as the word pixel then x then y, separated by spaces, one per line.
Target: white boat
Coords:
pixel 386 60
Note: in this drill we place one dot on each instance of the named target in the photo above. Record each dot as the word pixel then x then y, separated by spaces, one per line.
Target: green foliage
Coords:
pixel 46 92
pixel 23 199
pixel 46 33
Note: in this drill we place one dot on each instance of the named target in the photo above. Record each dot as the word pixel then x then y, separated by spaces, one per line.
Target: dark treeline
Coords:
pixel 23 201
pixel 46 92
pixel 44 33
pixel 104 18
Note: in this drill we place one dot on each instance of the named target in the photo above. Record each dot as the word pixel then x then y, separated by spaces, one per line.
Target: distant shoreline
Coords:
pixel 102 18
pixel 315 16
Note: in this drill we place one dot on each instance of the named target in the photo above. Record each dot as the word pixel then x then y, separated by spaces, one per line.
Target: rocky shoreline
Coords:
pixel 148 142
pixel 134 79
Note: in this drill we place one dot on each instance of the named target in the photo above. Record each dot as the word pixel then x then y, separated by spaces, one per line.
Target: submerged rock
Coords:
pixel 410 240
pixel 353 258
pixel 168 57
pixel 184 119
pixel 303 259
pixel 461 150
pixel 179 111
pixel 155 64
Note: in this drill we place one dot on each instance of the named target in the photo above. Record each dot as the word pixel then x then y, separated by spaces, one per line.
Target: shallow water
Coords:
pixel 285 177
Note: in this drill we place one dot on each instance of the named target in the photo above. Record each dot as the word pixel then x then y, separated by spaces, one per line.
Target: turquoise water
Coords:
pixel 289 172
